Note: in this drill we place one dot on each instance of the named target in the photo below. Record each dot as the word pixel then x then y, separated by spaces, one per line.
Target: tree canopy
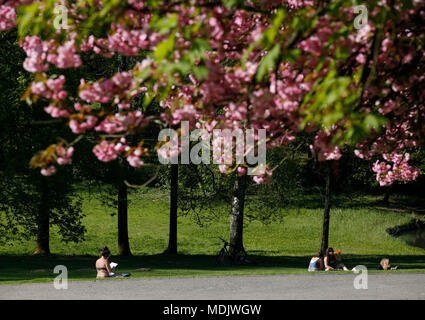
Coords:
pixel 286 66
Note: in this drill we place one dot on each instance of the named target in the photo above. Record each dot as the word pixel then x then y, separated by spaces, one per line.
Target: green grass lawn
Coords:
pixel 357 228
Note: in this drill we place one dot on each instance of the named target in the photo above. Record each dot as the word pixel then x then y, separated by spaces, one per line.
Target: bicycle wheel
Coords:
pixel 221 256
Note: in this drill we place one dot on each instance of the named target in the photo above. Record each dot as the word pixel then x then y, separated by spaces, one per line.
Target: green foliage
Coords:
pixel 233 3
pixel 198 49
pixel 202 188
pixel 165 48
pixel 267 40
pixel 21 196
pixel 268 62
pixel 269 203
pixel 38 20
pixel 268 37
pixel 164 24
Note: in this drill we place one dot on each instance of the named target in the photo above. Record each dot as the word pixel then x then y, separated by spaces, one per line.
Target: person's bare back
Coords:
pixel 102 264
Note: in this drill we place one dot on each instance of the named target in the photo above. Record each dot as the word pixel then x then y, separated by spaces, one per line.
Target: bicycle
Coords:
pixel 234 259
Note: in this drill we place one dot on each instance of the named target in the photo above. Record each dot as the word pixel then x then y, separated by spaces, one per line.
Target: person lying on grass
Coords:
pixel 333 261
pixel 385 265
pixel 103 266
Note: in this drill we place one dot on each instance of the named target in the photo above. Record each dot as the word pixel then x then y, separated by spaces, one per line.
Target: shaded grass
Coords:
pixel 279 247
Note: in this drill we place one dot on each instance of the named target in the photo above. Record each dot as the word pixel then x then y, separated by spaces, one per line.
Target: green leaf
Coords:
pixel 232 3
pixel 26 18
pixel 165 48
pixel 200 72
pixel 293 54
pixel 374 121
pixel 198 49
pixel 269 35
pixel 166 24
pixel 96 106
pixel 268 62
pixel 147 99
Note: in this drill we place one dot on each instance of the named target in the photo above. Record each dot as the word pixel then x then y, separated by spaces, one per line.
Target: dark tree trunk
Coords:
pixel 236 218
pixel 43 224
pixel 123 243
pixel 172 239
pixel 326 215
pixel 387 195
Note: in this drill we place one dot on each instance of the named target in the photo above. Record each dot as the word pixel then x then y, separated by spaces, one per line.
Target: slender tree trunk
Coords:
pixel 326 215
pixel 43 224
pixel 123 243
pixel 236 218
pixel 387 195
pixel 172 239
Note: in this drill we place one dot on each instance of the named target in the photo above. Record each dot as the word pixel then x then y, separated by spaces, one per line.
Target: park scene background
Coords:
pixel 168 220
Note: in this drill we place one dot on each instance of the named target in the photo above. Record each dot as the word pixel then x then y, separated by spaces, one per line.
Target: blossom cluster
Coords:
pixel 54 154
pixel 107 151
pixel 395 168
pixel 41 53
pixel 263 73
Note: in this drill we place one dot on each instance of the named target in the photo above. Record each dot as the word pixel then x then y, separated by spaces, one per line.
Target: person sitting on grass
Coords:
pixel 333 261
pixel 316 263
pixel 103 267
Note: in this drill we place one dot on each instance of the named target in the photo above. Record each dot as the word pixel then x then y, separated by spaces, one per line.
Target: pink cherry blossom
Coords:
pixel 48 171
pixel 106 151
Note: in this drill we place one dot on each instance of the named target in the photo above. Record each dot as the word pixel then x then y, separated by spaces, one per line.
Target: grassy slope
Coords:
pixel 357 228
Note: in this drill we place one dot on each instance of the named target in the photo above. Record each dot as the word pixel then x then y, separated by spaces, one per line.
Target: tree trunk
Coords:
pixel 43 224
pixel 326 216
pixel 172 239
pixel 236 218
pixel 387 195
pixel 123 244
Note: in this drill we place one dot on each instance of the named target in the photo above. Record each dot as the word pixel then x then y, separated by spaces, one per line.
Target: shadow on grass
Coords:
pixel 40 269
